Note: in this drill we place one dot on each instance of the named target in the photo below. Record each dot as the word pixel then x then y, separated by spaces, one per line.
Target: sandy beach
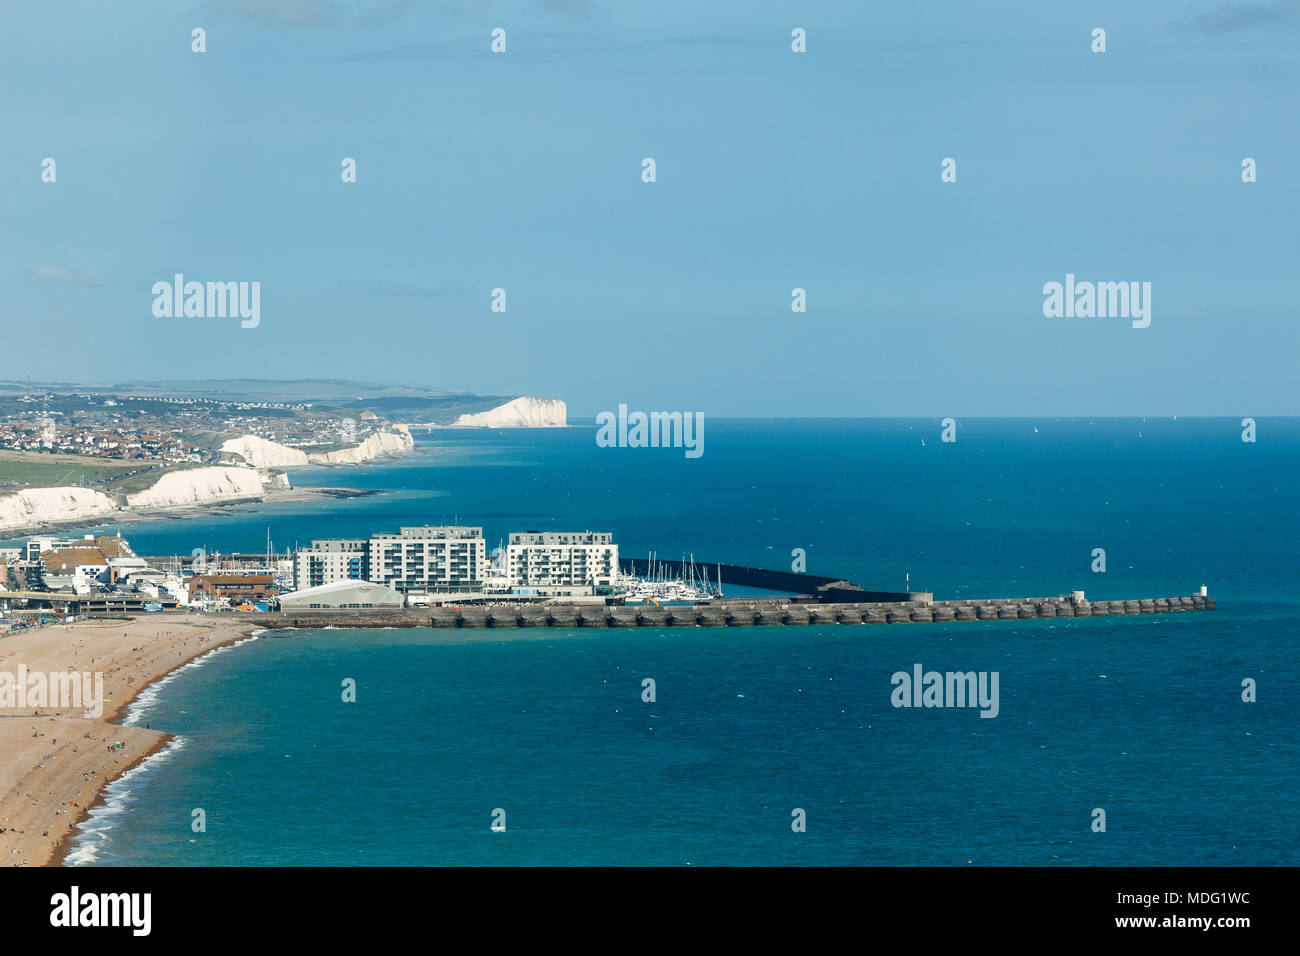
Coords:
pixel 54 762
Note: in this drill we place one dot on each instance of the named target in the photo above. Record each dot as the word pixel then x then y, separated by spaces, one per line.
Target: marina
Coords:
pixel 678 582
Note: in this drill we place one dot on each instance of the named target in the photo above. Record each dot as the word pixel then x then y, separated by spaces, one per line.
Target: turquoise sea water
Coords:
pixel 1140 716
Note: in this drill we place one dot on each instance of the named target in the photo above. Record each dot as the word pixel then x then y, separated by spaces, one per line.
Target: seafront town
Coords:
pixel 166 430
pixel 444 576
pixel 81 459
pixel 50 578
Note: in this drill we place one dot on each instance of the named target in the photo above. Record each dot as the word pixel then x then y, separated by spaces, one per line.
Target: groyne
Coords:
pixel 732 613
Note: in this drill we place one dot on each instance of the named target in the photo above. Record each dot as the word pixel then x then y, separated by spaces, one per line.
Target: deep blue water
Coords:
pixel 1141 716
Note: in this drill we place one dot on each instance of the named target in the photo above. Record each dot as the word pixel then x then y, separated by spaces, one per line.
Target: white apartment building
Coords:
pixel 446 559
pixel 329 561
pixel 544 559
pixel 39 545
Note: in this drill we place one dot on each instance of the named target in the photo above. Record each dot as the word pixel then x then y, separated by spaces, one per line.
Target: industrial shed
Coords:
pixel 342 596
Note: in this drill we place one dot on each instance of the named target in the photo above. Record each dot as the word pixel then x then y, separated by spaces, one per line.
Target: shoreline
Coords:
pixel 59 855
pixel 294 495
pixel 49 786
pixel 186 511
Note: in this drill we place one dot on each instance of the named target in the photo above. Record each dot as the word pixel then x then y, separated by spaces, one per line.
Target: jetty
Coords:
pixel 734 612
pixel 808 600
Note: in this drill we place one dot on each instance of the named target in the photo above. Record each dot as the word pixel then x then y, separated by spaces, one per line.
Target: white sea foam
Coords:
pixel 96 831
pixel 146 699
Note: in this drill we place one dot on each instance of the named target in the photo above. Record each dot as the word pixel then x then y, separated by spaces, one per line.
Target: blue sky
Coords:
pixel 775 170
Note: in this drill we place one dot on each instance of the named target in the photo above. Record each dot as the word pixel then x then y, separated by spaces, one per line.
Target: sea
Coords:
pixel 1122 741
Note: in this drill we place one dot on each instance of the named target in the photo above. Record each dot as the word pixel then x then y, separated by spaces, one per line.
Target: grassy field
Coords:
pixel 325 449
pixel 35 470
pixel 209 441
pixel 22 469
pixel 133 483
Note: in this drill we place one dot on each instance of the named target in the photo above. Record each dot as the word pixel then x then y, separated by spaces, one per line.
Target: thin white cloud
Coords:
pixel 1231 16
pixel 59 274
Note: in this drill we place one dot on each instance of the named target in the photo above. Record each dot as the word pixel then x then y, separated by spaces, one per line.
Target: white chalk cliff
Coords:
pixel 192 486
pixel 523 412
pixel 262 453
pixel 38 506
pixel 199 486
pixel 395 442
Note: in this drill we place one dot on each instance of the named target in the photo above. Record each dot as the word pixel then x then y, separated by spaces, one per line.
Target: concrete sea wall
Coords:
pixel 752 613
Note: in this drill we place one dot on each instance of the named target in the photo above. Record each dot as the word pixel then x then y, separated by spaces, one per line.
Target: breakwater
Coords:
pixel 732 613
